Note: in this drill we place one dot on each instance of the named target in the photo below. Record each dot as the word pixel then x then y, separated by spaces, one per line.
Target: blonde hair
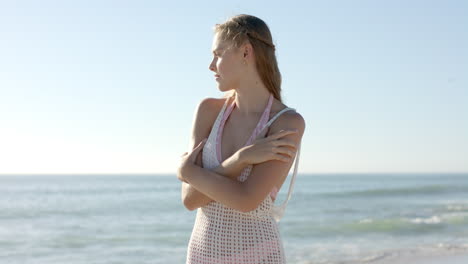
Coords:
pixel 247 28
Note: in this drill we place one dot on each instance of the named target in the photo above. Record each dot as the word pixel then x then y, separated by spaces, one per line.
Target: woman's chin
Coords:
pixel 222 88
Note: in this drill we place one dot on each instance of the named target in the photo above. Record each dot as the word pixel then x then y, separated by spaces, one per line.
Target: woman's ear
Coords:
pixel 247 53
pixel 248 50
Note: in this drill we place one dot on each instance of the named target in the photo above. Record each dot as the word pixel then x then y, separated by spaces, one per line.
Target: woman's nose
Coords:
pixel 211 66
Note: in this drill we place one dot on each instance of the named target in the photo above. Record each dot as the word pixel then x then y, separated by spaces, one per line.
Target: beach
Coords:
pixel 330 219
pixel 460 258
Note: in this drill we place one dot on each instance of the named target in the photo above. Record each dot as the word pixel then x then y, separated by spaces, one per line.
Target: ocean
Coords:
pixel 331 218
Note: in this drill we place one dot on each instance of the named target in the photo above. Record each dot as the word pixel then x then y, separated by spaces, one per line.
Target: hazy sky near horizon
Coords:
pixel 111 86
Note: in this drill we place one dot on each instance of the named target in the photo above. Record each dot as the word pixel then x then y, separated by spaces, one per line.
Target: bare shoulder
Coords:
pixel 289 120
pixel 211 104
pixel 205 116
pixel 209 107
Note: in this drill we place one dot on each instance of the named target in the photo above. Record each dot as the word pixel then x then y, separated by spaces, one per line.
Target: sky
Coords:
pixel 112 86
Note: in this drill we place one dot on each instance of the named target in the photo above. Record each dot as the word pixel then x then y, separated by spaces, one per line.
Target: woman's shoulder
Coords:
pixel 290 119
pixel 205 116
pixel 208 109
pixel 211 105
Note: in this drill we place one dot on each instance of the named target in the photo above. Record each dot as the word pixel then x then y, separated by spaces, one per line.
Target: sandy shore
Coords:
pixel 445 259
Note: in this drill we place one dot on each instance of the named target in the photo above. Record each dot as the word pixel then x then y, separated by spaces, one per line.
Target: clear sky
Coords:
pixel 111 86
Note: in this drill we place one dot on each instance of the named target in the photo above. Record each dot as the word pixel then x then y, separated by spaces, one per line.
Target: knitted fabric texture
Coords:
pixel 225 235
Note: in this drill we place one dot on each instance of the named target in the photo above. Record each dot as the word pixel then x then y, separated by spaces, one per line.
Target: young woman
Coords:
pixel 248 143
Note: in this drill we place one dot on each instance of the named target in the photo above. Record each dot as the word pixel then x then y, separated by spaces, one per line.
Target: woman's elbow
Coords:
pixel 188 203
pixel 185 197
pixel 248 205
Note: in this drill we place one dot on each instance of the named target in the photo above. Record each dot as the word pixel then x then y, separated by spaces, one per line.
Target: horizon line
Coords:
pixel 172 173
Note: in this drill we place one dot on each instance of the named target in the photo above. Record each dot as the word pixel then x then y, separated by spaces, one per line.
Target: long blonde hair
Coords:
pixel 241 28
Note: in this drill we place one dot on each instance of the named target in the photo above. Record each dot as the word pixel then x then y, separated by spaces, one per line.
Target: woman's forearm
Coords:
pixel 230 168
pixel 227 191
pixel 192 198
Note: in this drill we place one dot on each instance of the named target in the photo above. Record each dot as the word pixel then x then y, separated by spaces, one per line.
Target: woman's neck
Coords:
pixel 252 101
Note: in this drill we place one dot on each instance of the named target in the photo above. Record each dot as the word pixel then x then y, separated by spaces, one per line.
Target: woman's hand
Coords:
pixel 269 148
pixel 188 160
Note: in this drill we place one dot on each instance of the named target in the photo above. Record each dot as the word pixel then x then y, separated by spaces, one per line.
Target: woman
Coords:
pixel 235 180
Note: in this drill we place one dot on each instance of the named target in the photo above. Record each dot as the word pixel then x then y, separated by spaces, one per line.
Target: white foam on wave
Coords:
pixel 448 218
pixel 457 207
pixel 431 220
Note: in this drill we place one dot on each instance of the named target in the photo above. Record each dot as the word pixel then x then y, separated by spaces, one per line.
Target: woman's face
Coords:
pixel 226 64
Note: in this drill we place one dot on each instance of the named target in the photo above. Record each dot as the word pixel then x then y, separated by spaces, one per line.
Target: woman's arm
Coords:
pixel 230 168
pixel 246 196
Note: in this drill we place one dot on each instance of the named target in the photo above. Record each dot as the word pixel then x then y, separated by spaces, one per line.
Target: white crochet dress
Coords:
pixel 225 235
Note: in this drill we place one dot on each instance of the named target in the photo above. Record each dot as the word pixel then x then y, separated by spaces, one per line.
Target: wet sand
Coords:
pixel 445 259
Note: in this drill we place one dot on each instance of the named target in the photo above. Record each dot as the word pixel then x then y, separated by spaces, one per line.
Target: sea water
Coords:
pixel 331 218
